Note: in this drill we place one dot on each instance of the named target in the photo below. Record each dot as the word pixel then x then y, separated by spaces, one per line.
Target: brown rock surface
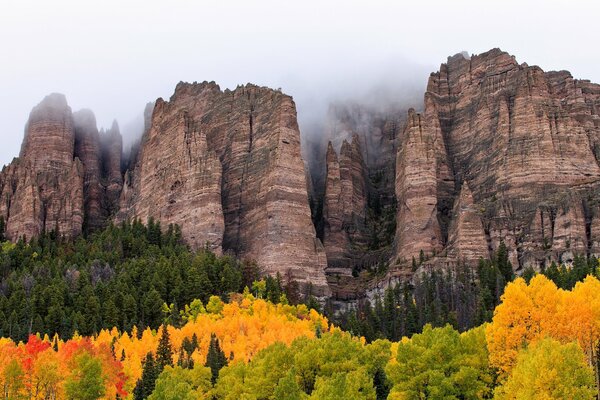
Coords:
pixel 87 149
pixel 43 189
pixel 526 141
pixel 177 180
pixel 112 151
pixel 466 238
pixel 357 223
pixel 226 166
pixel 345 206
pixel 423 180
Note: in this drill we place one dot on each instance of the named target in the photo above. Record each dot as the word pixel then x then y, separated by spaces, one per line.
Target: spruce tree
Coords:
pixel 164 352
pixel 145 386
pixel 502 262
pixel 215 359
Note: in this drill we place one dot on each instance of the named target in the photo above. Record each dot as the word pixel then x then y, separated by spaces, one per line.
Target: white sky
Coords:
pixel 115 56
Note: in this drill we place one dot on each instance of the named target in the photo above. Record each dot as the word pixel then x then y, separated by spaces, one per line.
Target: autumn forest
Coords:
pixel 131 313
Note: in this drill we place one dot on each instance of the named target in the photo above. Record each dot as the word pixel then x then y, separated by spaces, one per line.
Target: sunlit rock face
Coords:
pixel 226 167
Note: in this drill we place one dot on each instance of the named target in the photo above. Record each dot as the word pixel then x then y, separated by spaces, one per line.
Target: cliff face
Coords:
pixel 176 179
pixel 226 167
pixel 345 206
pixel 423 181
pixel 111 144
pixel 354 203
pixel 87 147
pixel 57 182
pixel 526 142
pixel 43 189
pixel 501 152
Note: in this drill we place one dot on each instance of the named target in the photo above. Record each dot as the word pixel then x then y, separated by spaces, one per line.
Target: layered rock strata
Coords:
pixel 226 167
pixel 526 141
pixel 57 184
pixel 42 191
pixel 355 203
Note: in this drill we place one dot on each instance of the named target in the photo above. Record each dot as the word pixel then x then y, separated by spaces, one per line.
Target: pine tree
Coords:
pixel 382 386
pixel 164 352
pixel 215 359
pixel 194 342
pixel 145 386
pixel 503 263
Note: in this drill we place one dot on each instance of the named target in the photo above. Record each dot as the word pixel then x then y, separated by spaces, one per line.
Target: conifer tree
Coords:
pixel 164 352
pixel 145 386
pixel 503 263
pixel 215 359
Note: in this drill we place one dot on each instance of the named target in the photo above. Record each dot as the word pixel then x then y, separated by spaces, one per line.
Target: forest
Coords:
pixel 132 313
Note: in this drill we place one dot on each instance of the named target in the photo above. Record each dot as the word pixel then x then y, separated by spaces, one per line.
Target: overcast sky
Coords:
pixel 115 56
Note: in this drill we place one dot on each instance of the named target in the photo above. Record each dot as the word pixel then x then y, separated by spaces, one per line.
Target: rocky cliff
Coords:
pixel 43 189
pixel 354 202
pixel 526 141
pixel 226 167
pixel 56 184
pixel 501 151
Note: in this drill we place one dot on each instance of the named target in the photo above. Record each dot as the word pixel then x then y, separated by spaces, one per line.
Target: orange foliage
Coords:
pixel 244 326
pixel 529 313
pixel 36 371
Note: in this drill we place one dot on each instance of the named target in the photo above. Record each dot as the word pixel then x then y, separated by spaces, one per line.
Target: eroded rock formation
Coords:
pixel 43 189
pixel 345 206
pixel 354 202
pixel 423 180
pixel 526 141
pixel 87 147
pixel 502 151
pixel 226 167
pixel 57 184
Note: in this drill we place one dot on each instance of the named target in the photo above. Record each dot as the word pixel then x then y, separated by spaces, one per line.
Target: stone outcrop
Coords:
pixel 87 148
pixel 466 239
pixel 43 190
pixel 423 181
pixel 177 180
pixel 112 177
pixel 354 202
pixel 526 141
pixel 226 167
pixel 501 151
pixel 345 206
pixel 58 183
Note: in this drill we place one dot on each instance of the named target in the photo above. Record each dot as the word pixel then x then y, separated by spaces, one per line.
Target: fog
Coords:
pixel 114 56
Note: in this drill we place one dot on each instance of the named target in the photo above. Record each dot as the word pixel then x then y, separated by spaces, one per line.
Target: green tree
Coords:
pixel 549 370
pixel 288 389
pixel 215 358
pixel 164 352
pixel 441 363
pixel 354 385
pixel 176 383
pixel 86 381
pixel 145 385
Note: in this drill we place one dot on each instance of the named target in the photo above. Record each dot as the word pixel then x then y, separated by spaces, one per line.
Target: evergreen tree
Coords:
pixel 164 352
pixel 145 386
pixel 503 263
pixel 215 359
pixel 381 384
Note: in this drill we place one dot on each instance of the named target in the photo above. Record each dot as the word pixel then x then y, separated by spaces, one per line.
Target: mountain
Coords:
pixel 500 152
pixel 523 143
